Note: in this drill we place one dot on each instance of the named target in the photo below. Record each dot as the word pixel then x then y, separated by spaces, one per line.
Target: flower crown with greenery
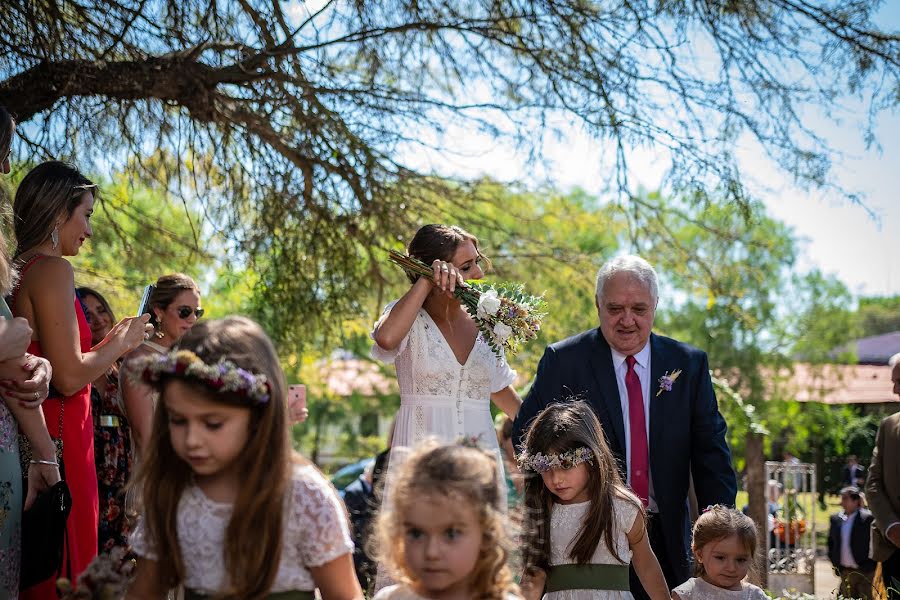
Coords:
pixel 544 462
pixel 222 377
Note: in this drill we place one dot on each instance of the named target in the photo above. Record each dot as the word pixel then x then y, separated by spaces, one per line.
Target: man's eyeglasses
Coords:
pixel 185 311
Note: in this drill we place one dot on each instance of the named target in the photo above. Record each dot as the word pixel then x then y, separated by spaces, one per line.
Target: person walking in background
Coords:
pixel 655 400
pixel 362 505
pixel 52 212
pixel 883 492
pixel 112 432
pixel 853 474
pixel 848 545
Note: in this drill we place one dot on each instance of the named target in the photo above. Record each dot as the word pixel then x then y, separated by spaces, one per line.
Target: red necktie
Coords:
pixel 640 459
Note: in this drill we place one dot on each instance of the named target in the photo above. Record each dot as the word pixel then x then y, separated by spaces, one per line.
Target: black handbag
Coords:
pixel 44 535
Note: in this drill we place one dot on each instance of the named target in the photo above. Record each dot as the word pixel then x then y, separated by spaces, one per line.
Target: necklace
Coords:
pixel 155 346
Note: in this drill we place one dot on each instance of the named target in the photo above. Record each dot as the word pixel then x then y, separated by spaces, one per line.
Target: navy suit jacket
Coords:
pixel 687 432
pixel 859 540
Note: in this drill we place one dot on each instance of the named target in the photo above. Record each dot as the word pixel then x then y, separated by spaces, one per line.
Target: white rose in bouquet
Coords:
pixel 488 304
pixel 502 331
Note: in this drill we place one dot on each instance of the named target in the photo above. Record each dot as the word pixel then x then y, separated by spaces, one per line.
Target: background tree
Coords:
pixel 879 315
pixel 299 132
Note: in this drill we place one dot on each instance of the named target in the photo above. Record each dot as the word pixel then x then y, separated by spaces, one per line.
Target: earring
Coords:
pixel 54 237
pixel 159 332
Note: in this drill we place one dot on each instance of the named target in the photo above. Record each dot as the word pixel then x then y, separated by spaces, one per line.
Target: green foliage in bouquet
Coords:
pixel 506 315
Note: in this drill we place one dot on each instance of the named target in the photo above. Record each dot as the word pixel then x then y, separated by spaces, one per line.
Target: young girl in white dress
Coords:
pixel 229 510
pixel 444 536
pixel 448 374
pixel 724 545
pixel 583 527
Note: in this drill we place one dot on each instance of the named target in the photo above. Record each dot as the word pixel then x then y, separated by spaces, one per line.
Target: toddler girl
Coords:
pixel 724 545
pixel 443 535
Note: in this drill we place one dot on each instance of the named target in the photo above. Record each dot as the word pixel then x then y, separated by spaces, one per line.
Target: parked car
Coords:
pixel 348 474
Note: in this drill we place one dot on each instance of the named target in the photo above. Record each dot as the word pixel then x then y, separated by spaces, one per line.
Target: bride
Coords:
pixel 448 374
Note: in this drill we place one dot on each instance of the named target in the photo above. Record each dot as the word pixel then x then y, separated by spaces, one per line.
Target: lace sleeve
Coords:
pixel 756 593
pixel 382 354
pixel 503 375
pixel 318 522
pixel 139 543
pixel 626 512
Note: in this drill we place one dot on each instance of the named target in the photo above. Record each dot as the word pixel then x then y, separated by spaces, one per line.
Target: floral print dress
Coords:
pixel 10 497
pixel 112 454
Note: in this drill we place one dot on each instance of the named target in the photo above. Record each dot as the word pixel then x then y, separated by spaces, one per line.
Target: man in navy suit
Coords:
pixel 848 546
pixel 654 398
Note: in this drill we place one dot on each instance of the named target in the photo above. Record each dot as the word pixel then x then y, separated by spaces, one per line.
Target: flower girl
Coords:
pixel 229 511
pixel 583 527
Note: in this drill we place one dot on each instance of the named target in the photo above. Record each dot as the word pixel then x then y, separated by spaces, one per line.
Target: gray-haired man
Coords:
pixel 662 427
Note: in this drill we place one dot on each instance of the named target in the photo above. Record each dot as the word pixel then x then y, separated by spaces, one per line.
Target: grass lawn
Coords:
pixel 833 505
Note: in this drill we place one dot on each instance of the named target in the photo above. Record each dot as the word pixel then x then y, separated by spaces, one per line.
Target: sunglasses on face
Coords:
pixel 185 311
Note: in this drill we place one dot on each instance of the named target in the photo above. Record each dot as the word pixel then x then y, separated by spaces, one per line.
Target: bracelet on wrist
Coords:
pixel 51 463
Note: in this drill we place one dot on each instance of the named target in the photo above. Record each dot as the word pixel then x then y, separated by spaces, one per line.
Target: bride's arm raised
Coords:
pixel 391 330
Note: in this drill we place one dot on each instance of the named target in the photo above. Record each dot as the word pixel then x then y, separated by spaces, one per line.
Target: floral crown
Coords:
pixel 544 462
pixel 223 376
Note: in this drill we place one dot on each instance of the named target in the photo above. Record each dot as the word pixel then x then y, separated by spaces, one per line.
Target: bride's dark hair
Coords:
pixel 439 242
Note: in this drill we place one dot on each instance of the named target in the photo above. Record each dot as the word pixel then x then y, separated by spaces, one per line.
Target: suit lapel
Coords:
pixel 658 366
pixel 605 376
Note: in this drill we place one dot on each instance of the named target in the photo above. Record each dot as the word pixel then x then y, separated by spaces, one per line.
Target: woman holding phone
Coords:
pixel 174 307
pixel 52 211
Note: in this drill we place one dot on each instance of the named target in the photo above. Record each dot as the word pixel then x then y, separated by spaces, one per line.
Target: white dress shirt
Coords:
pixel 642 368
pixel 847 559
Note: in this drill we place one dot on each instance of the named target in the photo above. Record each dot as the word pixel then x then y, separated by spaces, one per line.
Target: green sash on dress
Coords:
pixel 290 595
pixel 587 577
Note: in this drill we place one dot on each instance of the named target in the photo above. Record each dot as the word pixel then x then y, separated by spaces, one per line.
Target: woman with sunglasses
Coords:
pixel 174 308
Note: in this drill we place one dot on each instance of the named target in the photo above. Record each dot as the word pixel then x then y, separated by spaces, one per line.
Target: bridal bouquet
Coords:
pixel 505 314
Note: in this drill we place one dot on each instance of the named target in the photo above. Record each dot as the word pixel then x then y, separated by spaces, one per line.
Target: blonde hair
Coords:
pixel 719 522
pixel 469 477
pixel 254 534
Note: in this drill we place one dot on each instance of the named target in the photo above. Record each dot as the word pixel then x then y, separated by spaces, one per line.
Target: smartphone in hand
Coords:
pixel 144 307
pixel 297 403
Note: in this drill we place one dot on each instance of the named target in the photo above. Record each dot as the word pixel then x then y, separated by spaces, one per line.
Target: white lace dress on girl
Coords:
pixel 315 533
pixel 440 398
pixel 698 589
pixel 565 522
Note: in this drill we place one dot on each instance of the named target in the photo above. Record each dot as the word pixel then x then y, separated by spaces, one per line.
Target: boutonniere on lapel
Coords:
pixel 666 381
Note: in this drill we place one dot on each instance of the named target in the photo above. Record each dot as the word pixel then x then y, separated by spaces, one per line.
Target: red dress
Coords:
pixel 78 459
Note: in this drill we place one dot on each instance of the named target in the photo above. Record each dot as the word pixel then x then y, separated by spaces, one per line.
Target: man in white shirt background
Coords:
pixel 848 546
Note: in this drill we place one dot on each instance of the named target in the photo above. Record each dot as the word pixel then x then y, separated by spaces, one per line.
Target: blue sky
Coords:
pixel 860 244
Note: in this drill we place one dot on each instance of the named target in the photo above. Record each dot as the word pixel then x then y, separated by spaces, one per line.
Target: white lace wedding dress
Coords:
pixel 439 398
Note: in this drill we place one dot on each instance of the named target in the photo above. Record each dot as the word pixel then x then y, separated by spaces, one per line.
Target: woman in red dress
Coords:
pixel 52 212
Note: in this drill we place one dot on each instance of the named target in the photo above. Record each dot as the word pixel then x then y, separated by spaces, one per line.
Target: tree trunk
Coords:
pixel 756 490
